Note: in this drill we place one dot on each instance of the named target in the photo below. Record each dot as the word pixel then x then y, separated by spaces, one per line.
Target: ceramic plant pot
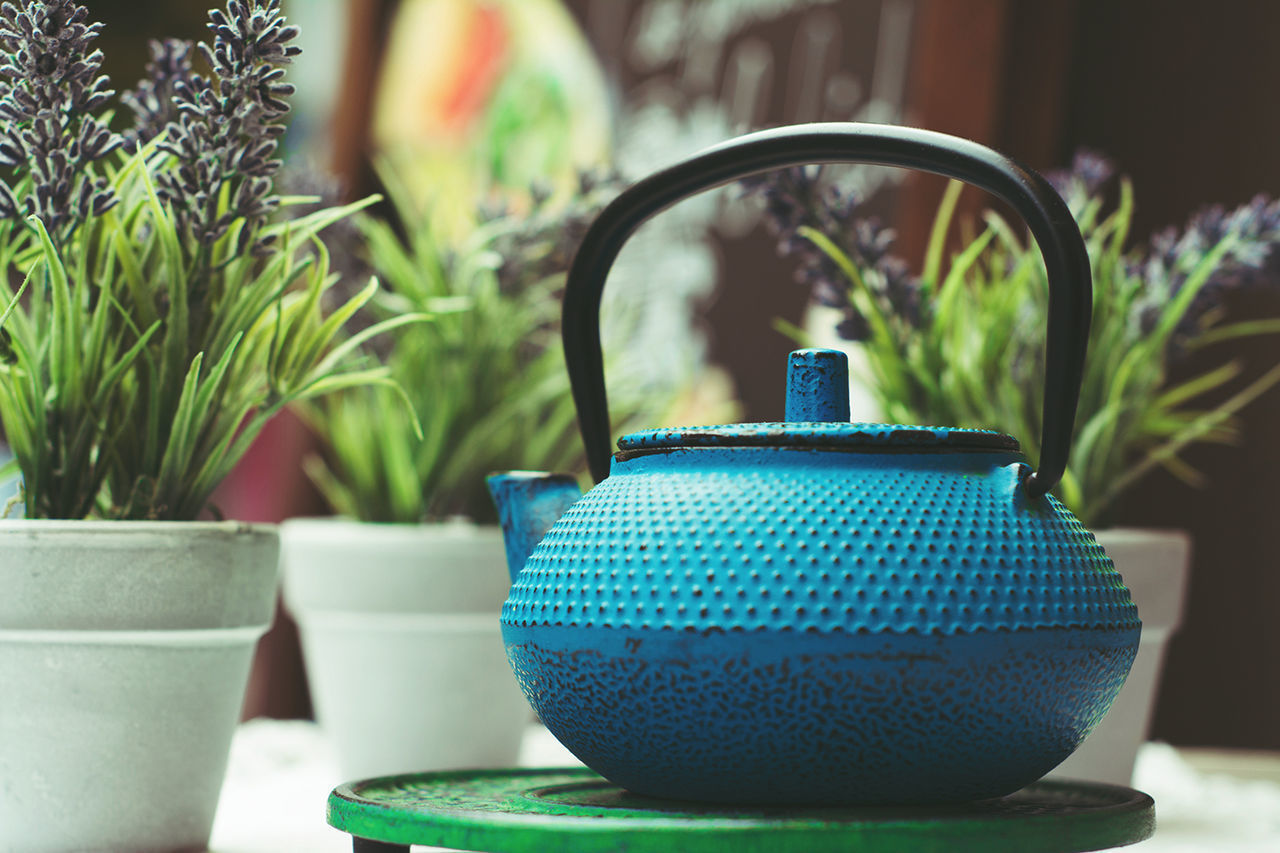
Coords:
pixel 125 649
pixel 1155 565
pixel 400 636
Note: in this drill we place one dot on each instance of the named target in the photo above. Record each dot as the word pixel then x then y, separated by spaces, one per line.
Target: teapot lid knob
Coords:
pixel 818 385
pixel 818 418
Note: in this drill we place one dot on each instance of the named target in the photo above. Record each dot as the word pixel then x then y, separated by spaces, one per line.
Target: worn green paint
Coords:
pixel 575 811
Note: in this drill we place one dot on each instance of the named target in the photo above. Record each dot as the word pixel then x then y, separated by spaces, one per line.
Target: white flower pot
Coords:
pixel 1155 566
pixel 400 637
pixel 124 653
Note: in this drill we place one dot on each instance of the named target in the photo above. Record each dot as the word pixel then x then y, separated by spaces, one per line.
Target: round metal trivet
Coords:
pixel 573 810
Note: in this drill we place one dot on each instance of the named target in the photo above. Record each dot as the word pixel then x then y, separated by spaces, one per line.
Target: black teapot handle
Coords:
pixel 1051 223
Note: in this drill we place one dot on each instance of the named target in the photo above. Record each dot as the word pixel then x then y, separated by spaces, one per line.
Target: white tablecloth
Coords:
pixel 281 773
pixel 279 778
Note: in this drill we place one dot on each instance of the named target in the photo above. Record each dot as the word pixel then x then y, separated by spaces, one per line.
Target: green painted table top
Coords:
pixel 572 810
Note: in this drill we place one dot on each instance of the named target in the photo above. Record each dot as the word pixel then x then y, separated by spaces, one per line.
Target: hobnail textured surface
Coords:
pixel 810 719
pixel 797 625
pixel 749 539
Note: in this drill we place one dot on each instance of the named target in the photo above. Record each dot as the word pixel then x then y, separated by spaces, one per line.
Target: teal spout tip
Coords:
pixel 529 503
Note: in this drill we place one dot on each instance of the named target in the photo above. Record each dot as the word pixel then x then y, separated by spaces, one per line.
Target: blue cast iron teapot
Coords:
pixel 816 612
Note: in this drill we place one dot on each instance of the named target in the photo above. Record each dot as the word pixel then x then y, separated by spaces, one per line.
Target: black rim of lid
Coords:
pixel 849 436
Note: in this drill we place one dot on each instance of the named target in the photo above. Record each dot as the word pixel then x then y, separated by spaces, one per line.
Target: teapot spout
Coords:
pixel 528 503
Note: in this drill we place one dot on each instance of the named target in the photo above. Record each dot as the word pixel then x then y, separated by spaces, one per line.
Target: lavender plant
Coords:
pixel 962 343
pixel 486 379
pixel 161 318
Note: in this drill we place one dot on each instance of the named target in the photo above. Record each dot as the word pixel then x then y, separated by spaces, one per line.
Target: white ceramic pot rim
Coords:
pixel 144 576
pixel 37 528
pixel 206 638
pixel 389 621
pixel 1142 534
pixel 337 565
pixel 343 530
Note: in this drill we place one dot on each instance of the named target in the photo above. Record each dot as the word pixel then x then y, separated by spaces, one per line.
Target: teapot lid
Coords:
pixel 818 416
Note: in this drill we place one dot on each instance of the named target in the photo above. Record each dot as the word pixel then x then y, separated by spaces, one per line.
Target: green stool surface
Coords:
pixel 573 810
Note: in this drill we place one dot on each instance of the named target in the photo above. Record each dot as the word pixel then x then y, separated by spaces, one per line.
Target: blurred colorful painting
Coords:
pixel 475 95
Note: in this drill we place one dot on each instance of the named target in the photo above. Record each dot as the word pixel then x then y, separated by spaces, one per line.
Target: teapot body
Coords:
pixel 813 625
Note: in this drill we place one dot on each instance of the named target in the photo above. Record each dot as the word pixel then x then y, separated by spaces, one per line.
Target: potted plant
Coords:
pixel 962 344
pixel 412 574
pixel 152 319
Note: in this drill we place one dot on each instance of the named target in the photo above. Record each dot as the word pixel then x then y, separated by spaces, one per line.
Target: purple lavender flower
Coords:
pixel 541 242
pixel 1089 171
pixel 1170 256
pixel 228 128
pixel 798 197
pixel 1250 262
pixel 1084 181
pixel 153 101
pixel 49 136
